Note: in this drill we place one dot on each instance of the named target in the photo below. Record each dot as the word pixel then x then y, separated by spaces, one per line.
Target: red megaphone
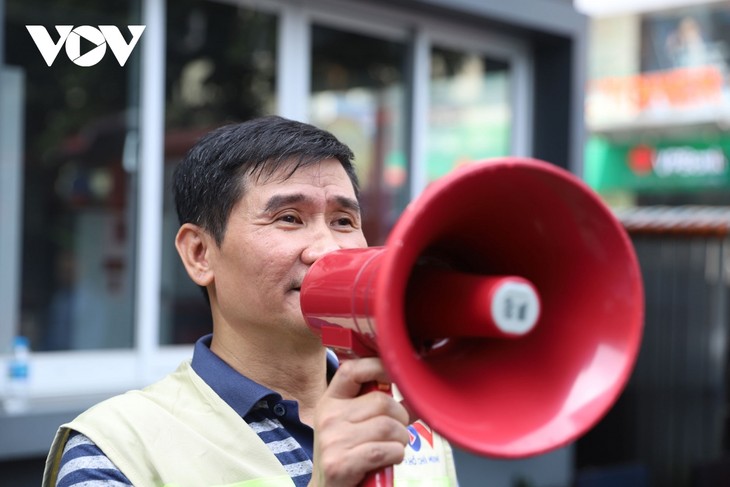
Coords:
pixel 507 305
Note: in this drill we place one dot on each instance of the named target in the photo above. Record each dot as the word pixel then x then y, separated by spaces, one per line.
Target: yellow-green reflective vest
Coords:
pixel 179 433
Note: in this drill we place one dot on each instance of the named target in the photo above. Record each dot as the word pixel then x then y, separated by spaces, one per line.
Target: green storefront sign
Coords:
pixel 657 166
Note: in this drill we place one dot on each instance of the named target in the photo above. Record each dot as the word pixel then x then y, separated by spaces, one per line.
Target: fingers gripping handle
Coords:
pixel 382 477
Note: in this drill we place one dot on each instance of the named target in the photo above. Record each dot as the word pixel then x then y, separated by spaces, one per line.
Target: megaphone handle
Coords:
pixel 382 477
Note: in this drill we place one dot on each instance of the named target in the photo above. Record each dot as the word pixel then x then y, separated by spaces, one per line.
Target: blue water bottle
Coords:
pixel 16 397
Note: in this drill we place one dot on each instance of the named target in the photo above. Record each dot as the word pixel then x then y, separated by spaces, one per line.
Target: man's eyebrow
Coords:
pixel 348 203
pixel 280 200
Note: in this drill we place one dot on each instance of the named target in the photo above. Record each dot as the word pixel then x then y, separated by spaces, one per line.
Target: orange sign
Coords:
pixel 676 89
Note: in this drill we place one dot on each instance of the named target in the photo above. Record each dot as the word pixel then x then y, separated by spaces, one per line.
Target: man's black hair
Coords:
pixel 211 178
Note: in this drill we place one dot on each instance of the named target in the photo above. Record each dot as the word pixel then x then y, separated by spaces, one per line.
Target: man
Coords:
pixel 262 402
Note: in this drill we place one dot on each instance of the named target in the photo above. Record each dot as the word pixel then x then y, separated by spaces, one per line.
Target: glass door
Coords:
pixel 477 100
pixel 470 114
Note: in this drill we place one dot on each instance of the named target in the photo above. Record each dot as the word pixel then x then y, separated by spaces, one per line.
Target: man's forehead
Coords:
pixel 313 184
pixel 326 172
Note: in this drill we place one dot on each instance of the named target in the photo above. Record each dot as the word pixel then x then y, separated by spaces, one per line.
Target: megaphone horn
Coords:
pixel 506 304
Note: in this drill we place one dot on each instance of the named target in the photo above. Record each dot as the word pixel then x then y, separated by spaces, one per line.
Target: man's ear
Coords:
pixel 194 246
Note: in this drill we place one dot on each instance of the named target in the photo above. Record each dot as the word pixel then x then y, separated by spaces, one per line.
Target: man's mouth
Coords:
pixel 295 285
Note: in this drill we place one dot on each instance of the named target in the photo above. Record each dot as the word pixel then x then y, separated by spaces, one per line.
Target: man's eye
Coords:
pixel 345 222
pixel 289 219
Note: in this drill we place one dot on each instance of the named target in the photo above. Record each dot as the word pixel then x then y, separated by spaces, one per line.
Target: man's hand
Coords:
pixel 355 434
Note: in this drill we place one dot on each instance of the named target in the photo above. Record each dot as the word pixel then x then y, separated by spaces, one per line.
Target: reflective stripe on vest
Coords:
pixel 423 482
pixel 282 481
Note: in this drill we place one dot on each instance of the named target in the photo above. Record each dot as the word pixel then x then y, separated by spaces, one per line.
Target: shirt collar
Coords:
pixel 237 390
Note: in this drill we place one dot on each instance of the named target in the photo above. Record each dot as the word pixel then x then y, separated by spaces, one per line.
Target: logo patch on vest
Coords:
pixel 416 431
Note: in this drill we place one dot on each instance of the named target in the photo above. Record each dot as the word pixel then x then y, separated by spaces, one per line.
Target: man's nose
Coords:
pixel 323 242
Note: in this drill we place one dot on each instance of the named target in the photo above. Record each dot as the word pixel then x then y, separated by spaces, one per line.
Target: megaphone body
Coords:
pixel 506 304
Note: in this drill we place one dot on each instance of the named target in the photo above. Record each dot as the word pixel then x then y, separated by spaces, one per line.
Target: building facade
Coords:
pixel 657 105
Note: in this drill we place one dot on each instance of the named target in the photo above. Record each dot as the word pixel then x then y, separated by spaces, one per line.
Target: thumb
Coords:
pixel 412 415
pixel 352 374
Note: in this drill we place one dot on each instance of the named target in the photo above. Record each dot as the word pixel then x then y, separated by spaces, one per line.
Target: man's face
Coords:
pixel 274 234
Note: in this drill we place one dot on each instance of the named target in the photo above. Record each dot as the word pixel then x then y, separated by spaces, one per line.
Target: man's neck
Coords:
pixel 295 369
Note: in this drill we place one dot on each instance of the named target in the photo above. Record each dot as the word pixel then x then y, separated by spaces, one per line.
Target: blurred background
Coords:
pixel 631 96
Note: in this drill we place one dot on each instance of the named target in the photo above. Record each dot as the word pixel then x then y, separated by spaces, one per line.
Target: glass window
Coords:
pixel 221 63
pixel 78 173
pixel 687 37
pixel 470 115
pixel 358 95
